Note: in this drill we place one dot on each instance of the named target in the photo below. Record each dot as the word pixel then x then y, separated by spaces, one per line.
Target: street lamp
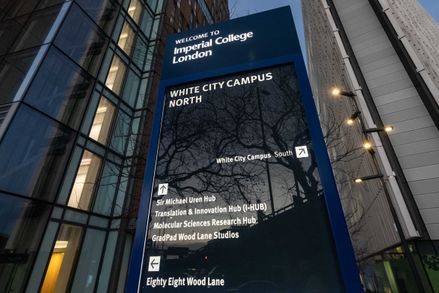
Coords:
pixel 404 243
pixel 365 178
pixel 387 128
pixel 351 119
pixel 367 145
pixel 338 92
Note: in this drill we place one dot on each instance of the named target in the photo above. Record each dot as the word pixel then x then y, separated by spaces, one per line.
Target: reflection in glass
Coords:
pixel 126 39
pixel 121 132
pixel 85 181
pixel 22 223
pixel 148 23
pixel 62 259
pixel 257 218
pixel 107 189
pixel 116 75
pixel 17 8
pixel 88 265
pixel 103 12
pixel 100 128
pixel 135 10
pixel 60 89
pixel 34 152
pixel 9 31
pixel 13 70
pixel 36 30
pixel 80 38
pixel 130 92
pixel 140 52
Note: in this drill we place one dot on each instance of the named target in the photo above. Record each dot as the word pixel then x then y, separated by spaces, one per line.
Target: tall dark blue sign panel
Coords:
pixel 239 194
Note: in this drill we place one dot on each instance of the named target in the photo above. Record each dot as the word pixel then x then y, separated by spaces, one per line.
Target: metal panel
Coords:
pixel 431 215
pixel 404 137
pixel 415 139
pixel 424 186
pixel 412 125
pixel 399 105
pixel 418 147
pixel 429 200
pixel 434 230
pixel 404 115
pixel 418 160
pixel 396 96
pixel 424 172
pixel 388 88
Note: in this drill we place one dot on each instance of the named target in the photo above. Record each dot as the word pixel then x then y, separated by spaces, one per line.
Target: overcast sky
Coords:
pixel 245 7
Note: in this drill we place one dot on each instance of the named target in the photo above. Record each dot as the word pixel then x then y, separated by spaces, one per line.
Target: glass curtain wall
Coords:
pixel 74 80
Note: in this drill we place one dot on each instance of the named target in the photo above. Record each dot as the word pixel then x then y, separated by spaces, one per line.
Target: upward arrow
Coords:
pixel 163 188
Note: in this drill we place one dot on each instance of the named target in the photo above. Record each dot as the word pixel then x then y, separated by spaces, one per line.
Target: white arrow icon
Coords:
pixel 154 264
pixel 163 189
pixel 302 151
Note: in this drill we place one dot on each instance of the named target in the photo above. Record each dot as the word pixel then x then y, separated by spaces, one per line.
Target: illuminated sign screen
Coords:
pixel 239 197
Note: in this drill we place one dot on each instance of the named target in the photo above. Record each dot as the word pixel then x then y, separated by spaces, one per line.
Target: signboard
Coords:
pixel 239 195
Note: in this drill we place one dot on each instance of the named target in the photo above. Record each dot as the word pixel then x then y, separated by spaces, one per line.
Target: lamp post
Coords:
pixel 365 178
pixel 404 243
pixel 386 129
pixel 368 146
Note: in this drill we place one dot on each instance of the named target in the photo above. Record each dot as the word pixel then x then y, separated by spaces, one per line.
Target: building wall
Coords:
pixel 366 210
pixel 422 31
pixel 415 138
pixel 350 48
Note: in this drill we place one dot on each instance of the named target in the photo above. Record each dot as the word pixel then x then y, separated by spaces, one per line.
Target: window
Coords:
pixel 13 70
pixel 60 89
pixel 101 126
pixel 22 224
pixel 140 53
pixel 126 39
pixel 35 32
pixel 135 10
pixel 152 4
pixel 85 181
pixel 62 259
pixel 148 22
pixel 116 75
pixel 107 189
pixel 9 31
pixel 103 12
pixel 4 110
pixel 34 152
pixel 88 265
pixel 80 39
pixel 17 8
pixel 121 132
pixel 131 89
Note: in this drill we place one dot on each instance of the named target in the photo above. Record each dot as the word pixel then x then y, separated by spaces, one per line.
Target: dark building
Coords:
pixel 77 89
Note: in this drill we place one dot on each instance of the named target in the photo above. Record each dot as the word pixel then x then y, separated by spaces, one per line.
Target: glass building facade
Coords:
pixel 76 91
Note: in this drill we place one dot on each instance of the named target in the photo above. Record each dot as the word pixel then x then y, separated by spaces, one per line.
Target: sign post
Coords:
pixel 239 193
